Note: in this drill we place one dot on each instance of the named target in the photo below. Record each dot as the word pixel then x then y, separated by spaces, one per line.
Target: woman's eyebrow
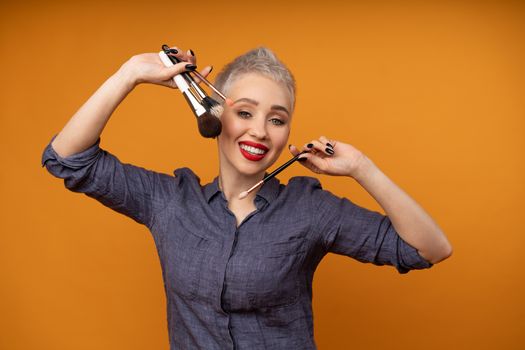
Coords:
pixel 246 99
pixel 254 102
pixel 280 108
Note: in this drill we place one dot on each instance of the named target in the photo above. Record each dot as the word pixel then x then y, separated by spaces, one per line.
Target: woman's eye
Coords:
pixel 276 121
pixel 244 114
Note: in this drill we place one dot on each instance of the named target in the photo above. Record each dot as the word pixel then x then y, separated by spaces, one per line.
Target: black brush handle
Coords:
pixel 282 167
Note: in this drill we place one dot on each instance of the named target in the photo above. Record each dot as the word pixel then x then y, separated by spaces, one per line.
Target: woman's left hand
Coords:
pixel 330 157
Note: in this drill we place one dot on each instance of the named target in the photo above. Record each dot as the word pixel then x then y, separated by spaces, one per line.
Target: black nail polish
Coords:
pixel 190 66
pixel 192 53
pixel 329 150
pixel 329 145
pixel 289 146
pixel 175 51
pixel 211 68
pixel 301 159
pixel 310 145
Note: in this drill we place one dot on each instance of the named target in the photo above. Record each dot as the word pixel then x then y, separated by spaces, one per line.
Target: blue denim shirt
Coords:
pixel 228 287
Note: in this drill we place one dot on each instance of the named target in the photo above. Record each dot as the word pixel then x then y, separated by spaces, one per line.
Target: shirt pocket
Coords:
pixel 187 260
pixel 275 276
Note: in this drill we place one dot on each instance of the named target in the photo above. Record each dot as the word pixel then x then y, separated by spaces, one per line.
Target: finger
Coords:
pixel 319 147
pixel 169 83
pixel 191 56
pixel 329 149
pixel 306 159
pixel 293 150
pixel 327 142
pixel 205 72
pixel 313 162
pixel 176 52
pixel 303 159
pixel 170 72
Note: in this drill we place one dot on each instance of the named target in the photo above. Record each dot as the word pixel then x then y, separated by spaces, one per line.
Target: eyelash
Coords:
pixel 242 114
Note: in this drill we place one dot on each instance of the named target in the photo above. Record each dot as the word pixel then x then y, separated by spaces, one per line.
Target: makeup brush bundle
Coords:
pixel 206 109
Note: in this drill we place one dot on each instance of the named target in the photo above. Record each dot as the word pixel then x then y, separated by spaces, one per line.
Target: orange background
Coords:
pixel 433 93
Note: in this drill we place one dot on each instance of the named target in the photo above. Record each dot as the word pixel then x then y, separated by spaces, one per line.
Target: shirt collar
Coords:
pixel 268 191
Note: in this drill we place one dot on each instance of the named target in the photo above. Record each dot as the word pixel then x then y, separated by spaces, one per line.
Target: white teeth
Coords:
pixel 252 150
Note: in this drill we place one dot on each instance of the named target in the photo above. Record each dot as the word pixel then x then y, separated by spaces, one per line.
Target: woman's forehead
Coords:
pixel 260 88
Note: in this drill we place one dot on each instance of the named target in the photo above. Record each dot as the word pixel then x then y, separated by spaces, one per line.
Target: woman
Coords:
pixel 238 273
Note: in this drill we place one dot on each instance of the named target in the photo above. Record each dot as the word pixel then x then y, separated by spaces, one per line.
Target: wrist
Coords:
pixel 126 78
pixel 365 169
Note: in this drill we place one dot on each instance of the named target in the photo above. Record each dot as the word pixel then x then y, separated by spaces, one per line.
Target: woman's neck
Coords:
pixel 232 183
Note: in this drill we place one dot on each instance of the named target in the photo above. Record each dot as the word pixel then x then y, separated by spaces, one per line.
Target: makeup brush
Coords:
pixel 228 101
pixel 215 106
pixel 206 109
pixel 243 195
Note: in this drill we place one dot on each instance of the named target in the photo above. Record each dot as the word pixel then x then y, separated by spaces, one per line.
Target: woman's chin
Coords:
pixel 250 171
pixel 253 169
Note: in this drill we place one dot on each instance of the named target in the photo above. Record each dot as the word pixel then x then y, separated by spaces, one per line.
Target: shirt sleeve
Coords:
pixel 365 235
pixel 125 188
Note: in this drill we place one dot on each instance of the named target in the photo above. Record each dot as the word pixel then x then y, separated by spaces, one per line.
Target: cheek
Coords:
pixel 231 127
pixel 280 137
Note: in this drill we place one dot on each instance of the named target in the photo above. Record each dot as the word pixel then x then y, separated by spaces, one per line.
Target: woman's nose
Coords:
pixel 258 129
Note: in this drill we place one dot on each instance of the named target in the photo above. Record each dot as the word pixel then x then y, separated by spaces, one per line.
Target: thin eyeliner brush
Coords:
pixel 272 174
pixel 210 85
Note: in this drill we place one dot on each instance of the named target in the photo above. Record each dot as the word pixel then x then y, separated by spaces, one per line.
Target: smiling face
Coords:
pixel 256 127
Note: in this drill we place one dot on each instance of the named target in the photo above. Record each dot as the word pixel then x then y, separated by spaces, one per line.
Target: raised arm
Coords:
pixel 409 220
pixel 74 154
pixel 87 124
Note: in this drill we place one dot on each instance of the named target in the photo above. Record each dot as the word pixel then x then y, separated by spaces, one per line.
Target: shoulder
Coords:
pixel 186 176
pixel 303 186
pixel 307 183
pixel 310 188
pixel 186 173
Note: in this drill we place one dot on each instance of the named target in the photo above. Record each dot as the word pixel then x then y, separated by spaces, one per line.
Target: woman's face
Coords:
pixel 256 127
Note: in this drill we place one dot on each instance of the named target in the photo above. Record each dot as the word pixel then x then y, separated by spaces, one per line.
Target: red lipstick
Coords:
pixel 255 144
pixel 252 156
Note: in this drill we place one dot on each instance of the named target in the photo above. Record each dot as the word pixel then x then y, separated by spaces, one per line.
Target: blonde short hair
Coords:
pixel 259 60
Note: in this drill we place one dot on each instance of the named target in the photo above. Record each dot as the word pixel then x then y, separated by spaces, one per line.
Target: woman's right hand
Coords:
pixel 148 68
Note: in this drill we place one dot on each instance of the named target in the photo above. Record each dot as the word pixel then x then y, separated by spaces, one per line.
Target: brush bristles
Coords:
pixel 213 106
pixel 209 125
pixel 217 110
pixel 243 195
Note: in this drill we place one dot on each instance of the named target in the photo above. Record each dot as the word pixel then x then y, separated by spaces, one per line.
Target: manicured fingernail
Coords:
pixel 329 145
pixel 190 66
pixel 192 53
pixel 301 159
pixel 329 150
pixel 211 68
pixel 174 51
pixel 289 146
pixel 310 145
